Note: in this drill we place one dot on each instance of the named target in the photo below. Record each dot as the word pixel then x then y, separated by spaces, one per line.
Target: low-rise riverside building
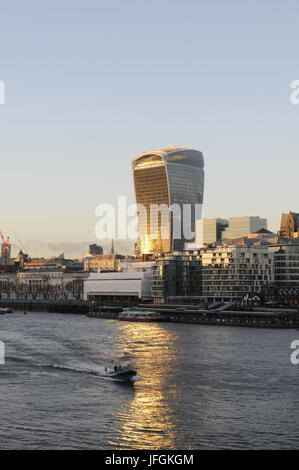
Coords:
pixel 108 261
pixel 231 272
pixel 50 264
pixel 43 284
pixel 176 275
pixel 127 287
pixel 123 288
pixel 286 265
pixel 220 273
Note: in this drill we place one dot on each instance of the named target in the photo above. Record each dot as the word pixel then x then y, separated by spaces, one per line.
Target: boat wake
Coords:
pixel 69 366
pixel 77 366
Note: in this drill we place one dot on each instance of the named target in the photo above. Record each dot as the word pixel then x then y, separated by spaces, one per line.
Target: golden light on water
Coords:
pixel 150 420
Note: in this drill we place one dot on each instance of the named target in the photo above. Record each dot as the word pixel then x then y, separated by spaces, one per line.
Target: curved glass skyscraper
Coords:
pixel 169 178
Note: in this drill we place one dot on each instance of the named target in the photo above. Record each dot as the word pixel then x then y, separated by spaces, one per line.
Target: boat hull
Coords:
pixel 125 376
pixel 140 319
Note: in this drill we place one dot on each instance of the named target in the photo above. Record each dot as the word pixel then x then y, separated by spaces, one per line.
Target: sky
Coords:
pixel 91 84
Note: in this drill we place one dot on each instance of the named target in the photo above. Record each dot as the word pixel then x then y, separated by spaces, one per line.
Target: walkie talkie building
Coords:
pixel 170 177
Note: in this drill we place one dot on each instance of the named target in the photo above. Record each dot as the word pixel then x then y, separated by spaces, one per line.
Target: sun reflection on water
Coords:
pixel 151 420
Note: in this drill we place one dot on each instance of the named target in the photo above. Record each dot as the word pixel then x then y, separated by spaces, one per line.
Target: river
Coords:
pixel 199 387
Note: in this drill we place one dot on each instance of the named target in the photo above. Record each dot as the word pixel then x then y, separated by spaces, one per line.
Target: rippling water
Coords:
pixel 200 387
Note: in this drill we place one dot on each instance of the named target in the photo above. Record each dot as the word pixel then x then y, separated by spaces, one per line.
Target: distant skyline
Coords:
pixel 91 85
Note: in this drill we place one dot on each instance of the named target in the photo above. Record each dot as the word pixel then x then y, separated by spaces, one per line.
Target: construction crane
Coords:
pixel 5 245
pixel 20 241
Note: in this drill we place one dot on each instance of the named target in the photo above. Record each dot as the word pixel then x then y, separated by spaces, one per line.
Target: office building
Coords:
pixel 169 179
pixel 95 249
pixel 5 255
pixel 243 226
pixel 213 230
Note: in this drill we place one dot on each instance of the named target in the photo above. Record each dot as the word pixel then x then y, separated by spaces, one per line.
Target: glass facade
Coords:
pixel 164 178
pixel 176 275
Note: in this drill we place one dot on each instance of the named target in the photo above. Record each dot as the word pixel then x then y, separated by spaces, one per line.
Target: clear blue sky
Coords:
pixel 91 84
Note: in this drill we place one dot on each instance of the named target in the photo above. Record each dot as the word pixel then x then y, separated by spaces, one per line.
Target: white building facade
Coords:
pixel 125 287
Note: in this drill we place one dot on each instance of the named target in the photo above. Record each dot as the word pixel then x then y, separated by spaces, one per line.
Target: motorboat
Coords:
pixel 122 372
pixel 4 310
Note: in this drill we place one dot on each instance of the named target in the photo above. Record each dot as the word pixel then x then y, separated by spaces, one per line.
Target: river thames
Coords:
pixel 200 387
